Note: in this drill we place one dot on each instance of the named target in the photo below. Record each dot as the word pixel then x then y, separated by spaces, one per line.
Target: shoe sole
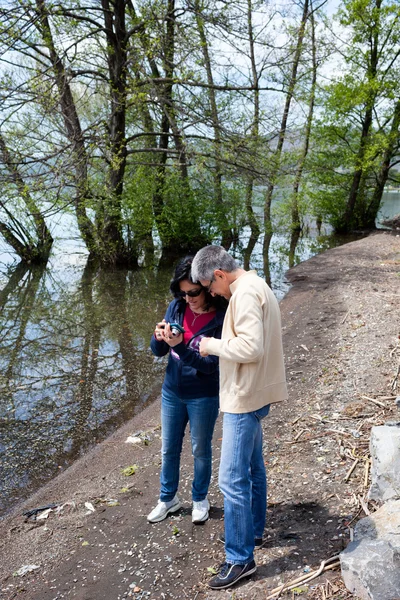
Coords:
pixel 170 510
pixel 223 587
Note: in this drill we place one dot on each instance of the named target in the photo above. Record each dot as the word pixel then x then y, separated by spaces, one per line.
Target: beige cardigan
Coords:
pixel 252 371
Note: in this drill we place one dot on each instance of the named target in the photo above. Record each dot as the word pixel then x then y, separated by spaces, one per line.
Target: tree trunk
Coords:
pixel 282 133
pixel 382 177
pixel 296 225
pixel 165 98
pixel 172 243
pixel 73 131
pixel 28 250
pixel 23 312
pixel 15 278
pixel 114 249
pixel 350 220
pixel 226 232
pixel 294 238
pixel 251 218
pixel 91 340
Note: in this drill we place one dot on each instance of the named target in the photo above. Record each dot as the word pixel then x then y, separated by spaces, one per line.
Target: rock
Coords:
pixel 394 222
pixel 26 569
pixel 371 562
pixel 133 440
pixel 385 470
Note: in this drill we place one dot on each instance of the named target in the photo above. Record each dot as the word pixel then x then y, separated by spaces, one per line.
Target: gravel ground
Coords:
pixel 341 328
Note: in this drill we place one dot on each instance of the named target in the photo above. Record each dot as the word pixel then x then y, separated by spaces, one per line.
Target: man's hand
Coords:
pixel 203 346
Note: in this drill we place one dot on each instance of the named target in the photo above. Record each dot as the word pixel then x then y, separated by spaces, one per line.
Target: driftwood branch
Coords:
pixel 353 466
pixel 330 563
pixel 374 401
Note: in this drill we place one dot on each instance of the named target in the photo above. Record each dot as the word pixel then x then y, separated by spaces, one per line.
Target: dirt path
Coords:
pixel 341 334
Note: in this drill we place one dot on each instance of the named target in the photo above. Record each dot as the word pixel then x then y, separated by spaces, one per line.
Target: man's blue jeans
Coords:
pixel 201 413
pixel 243 482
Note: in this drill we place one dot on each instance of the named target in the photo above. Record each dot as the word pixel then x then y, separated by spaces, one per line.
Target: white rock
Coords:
pixel 385 469
pixel 133 440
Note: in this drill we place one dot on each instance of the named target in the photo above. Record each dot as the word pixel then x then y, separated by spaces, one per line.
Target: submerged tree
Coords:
pixel 164 122
pixel 27 234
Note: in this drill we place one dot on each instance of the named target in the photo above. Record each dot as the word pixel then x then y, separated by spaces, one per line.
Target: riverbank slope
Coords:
pixel 341 326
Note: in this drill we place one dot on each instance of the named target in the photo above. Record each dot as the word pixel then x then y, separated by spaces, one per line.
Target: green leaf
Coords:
pixel 128 471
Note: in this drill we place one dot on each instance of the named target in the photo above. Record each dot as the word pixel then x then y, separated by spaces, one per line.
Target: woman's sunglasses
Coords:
pixel 190 293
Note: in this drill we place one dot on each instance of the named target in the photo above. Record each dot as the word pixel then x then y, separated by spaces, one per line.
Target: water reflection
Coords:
pixel 74 363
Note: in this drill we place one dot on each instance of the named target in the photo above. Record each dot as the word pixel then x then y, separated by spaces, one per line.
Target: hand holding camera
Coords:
pixel 171 333
pixel 159 330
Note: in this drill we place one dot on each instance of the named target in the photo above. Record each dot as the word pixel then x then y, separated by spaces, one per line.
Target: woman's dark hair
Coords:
pixel 183 273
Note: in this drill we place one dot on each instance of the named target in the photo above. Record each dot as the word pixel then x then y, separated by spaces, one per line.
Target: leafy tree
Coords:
pixel 358 109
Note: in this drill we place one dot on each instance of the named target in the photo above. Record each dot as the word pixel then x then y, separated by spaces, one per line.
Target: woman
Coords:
pixel 190 390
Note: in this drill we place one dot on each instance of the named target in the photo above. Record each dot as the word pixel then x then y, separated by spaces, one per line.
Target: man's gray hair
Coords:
pixel 210 258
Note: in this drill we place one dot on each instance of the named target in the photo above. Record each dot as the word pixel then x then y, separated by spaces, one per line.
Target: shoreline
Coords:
pixel 324 333
pixel 20 505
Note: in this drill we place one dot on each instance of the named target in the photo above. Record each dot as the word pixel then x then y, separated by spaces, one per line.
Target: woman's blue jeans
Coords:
pixel 201 413
pixel 243 482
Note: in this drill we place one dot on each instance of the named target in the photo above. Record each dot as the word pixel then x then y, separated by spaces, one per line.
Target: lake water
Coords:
pixel 74 350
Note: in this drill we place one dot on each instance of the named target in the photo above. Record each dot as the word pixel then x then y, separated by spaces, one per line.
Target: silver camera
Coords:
pixel 176 329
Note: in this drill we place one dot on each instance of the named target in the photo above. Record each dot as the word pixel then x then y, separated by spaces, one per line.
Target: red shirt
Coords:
pixel 193 322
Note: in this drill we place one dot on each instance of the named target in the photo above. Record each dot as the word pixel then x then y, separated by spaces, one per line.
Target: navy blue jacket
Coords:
pixel 188 374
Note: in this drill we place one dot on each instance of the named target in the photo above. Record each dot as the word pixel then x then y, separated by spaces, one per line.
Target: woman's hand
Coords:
pixel 162 333
pixel 169 338
pixel 159 330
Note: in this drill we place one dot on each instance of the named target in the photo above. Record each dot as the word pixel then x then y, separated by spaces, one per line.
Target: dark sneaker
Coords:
pixel 257 541
pixel 231 574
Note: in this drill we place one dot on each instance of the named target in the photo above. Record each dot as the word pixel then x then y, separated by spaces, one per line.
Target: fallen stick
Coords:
pixel 299 434
pixel 366 472
pixel 394 382
pixel 345 317
pixel 374 401
pixel 298 419
pixel 341 432
pixel 316 437
pixel 364 506
pixel 324 566
pixel 394 350
pixel 354 518
pixel 353 466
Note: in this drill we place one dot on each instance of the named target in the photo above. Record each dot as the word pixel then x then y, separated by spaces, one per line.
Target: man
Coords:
pixel 252 376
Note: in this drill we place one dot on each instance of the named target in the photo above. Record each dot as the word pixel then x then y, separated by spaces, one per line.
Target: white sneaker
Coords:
pixel 200 511
pixel 162 510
